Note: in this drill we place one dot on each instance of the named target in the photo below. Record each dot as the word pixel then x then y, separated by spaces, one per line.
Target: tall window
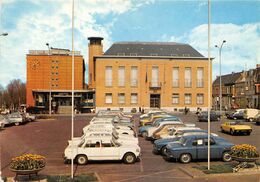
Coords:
pixel 134 75
pixel 187 77
pixel 187 99
pixel 155 76
pixel 121 76
pixel 200 99
pixel 109 99
pixel 108 76
pixel 134 98
pixel 121 98
pixel 200 77
pixel 175 77
pixel 175 98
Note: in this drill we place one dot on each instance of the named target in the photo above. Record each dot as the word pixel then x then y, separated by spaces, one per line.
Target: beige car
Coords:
pixel 250 114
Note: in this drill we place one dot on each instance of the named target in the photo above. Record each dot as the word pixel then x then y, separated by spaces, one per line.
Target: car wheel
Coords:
pixel 82 159
pixel 221 129
pixel 129 158
pixel 232 132
pixel 248 132
pixel 16 124
pixel 163 150
pixel 226 157
pixel 144 134
pixel 185 158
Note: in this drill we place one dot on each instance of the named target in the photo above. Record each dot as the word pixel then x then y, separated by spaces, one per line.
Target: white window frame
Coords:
pixel 134 76
pixel 155 76
pixel 200 77
pixel 175 98
pixel 134 98
pixel 121 98
pixel 200 98
pixel 108 76
pixel 187 98
pixel 187 76
pixel 108 98
pixel 121 76
pixel 175 77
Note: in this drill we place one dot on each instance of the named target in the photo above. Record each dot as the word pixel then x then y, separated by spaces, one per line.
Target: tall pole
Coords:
pixel 72 91
pixel 220 79
pixel 209 83
pixel 2 34
pixel 47 44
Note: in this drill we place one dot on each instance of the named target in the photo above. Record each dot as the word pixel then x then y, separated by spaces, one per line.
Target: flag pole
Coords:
pixel 209 84
pixel 72 92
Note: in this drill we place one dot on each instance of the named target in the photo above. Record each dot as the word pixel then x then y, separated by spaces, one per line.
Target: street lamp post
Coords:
pixel 47 44
pixel 220 80
pixel 2 34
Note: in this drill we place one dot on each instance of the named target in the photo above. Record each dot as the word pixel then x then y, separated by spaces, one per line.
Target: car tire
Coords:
pixel 226 157
pixel 16 124
pixel 82 159
pixel 185 158
pixel 248 133
pixel 163 150
pixel 129 158
pixel 232 132
pixel 144 134
pixel 222 130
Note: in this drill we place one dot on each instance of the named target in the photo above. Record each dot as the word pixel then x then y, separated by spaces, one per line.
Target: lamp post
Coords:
pixel 220 81
pixel 47 44
pixel 2 34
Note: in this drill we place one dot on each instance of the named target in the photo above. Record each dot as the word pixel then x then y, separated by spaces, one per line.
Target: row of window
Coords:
pixel 134 98
pixel 187 98
pixel 121 98
pixel 154 77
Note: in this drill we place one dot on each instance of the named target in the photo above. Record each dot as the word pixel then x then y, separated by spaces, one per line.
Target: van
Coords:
pixel 250 114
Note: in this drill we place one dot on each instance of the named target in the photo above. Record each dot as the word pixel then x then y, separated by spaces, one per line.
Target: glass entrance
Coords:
pixel 155 100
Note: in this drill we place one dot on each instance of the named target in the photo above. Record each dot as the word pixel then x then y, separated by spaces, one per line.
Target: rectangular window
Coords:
pixel 155 76
pixel 134 98
pixel 200 98
pixel 109 99
pixel 134 76
pixel 175 98
pixel 200 76
pixel 121 98
pixel 187 99
pixel 175 77
pixel 187 77
pixel 121 76
pixel 108 76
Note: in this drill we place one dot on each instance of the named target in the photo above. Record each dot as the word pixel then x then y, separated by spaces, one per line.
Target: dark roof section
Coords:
pixel 152 49
pixel 228 79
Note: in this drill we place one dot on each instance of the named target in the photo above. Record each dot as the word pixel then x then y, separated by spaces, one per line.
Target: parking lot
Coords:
pixel 49 137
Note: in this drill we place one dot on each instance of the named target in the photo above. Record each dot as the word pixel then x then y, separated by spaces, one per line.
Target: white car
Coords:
pixel 109 127
pixel 99 134
pixel 3 121
pixel 15 118
pixel 175 131
pixel 152 129
pixel 100 150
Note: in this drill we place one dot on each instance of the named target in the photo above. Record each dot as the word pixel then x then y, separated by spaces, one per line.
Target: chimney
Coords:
pixel 95 48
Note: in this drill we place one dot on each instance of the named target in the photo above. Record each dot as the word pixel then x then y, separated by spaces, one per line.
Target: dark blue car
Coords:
pixel 143 129
pixel 160 144
pixel 196 147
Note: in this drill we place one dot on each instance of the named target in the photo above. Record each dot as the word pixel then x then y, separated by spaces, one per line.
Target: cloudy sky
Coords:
pixel 32 23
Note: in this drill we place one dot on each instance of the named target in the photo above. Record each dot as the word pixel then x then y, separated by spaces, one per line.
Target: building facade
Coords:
pixel 134 75
pixel 50 72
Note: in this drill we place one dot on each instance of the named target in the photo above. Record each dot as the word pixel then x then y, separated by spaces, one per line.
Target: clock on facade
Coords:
pixel 35 64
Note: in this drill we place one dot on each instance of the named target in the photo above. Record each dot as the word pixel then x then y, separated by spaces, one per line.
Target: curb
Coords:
pixel 187 172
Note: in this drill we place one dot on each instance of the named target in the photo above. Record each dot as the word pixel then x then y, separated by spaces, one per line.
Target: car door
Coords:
pixel 201 149
pixel 92 150
pixel 215 151
pixel 225 126
pixel 109 151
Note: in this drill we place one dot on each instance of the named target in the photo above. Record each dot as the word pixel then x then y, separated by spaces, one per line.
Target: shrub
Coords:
pixel 27 162
pixel 244 151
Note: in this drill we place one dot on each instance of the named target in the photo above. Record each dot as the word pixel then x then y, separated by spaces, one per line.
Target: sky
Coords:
pixel 32 23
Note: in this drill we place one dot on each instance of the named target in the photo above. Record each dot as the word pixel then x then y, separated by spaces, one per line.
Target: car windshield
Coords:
pixel 179 133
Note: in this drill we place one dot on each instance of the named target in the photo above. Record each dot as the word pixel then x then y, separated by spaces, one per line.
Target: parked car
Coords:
pixel 203 116
pixel 257 119
pixel 3 122
pixel 235 127
pixel 15 118
pixel 160 144
pixel 196 147
pixel 143 129
pixel 100 150
pixel 238 114
pixel 151 117
pixel 250 114
pixel 29 117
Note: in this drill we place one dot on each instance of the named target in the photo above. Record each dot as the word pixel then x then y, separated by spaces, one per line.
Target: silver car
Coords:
pixel 15 118
pixel 3 121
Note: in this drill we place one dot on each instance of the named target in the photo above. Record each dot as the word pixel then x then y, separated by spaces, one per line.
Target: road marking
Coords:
pixel 141 165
